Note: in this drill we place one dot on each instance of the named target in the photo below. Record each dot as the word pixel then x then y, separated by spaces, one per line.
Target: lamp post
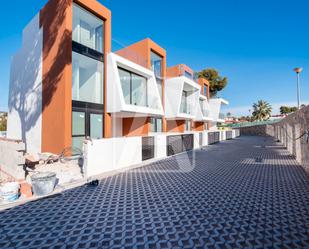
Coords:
pixel 298 70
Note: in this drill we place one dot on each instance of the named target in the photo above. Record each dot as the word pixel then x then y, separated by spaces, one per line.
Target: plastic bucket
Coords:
pixel 10 191
pixel 43 183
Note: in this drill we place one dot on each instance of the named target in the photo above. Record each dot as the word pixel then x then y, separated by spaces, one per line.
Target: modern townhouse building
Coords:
pixel 182 96
pixel 202 119
pixel 147 54
pixel 57 93
pixel 67 87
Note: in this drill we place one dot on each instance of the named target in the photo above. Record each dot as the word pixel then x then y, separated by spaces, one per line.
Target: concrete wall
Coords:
pixel 12 159
pixel 291 133
pixel 25 92
pixel 104 155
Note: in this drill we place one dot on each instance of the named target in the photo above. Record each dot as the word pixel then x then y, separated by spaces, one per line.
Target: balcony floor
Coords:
pixel 219 197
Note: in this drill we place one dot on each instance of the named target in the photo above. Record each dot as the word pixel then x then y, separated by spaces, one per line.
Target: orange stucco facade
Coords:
pixel 56 22
pixel 140 53
pixel 178 70
pixel 198 126
pixel 202 82
pixel 137 126
pixel 178 126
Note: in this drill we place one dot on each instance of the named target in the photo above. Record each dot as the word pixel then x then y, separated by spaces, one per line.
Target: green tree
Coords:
pixel 261 111
pixel 287 109
pixel 3 121
pixel 216 82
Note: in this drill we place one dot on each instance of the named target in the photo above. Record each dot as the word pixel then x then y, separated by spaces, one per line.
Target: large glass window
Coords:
pixel 160 88
pixel 134 88
pixel 78 128
pixel 87 80
pixel 87 76
pixel 139 90
pixel 96 126
pixel 125 79
pixel 156 125
pixel 184 105
pixel 188 75
pixel 157 67
pixel 205 90
pixel 87 29
pixel 188 125
pixel 156 64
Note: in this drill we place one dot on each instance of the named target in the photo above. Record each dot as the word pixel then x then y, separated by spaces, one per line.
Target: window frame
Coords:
pixel 188 74
pixel 133 73
pixel 95 15
pixel 155 122
pixel 206 88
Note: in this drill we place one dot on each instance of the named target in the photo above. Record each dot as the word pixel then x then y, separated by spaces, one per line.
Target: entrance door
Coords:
pixel 86 122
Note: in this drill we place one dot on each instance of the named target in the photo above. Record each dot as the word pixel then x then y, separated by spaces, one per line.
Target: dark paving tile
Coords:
pixel 219 197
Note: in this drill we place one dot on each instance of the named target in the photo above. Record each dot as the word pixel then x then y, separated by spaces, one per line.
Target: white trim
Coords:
pixel 173 94
pixel 115 99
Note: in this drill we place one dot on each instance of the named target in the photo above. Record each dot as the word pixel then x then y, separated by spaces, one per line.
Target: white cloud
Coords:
pixel 244 110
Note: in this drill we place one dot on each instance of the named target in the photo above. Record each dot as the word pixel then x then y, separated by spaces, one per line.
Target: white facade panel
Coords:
pixel 25 92
pixel 115 99
pixel 174 88
pixel 105 155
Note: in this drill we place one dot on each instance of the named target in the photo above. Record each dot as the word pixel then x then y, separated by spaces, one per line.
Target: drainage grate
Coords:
pixel 258 159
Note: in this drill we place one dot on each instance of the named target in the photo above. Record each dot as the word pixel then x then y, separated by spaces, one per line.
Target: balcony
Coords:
pixel 203 110
pixel 215 109
pixel 181 98
pixel 131 89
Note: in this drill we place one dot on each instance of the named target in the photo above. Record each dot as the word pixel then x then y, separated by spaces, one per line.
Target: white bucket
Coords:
pixel 9 191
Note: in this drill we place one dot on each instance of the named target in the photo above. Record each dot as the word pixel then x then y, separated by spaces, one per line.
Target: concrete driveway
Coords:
pixel 242 193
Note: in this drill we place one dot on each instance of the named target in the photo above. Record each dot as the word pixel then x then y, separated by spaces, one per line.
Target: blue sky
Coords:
pixel 256 44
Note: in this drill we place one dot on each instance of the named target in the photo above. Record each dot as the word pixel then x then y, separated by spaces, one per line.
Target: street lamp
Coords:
pixel 298 70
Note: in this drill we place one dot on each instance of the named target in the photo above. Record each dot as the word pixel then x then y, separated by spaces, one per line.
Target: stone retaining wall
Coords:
pixel 290 132
pixel 258 130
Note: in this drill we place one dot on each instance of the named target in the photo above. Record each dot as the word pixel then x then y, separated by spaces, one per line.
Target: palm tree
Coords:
pixel 261 110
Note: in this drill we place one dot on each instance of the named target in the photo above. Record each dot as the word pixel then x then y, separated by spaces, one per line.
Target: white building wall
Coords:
pixel 160 146
pixel 105 155
pixel 25 91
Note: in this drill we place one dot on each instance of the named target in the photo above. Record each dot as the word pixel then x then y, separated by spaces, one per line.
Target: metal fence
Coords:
pixel 179 143
pixel 213 137
pixel 237 132
pixel 201 139
pixel 147 148
pixel 228 135
pixel 246 124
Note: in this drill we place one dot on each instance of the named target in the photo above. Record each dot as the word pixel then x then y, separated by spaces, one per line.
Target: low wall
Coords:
pixel 106 155
pixel 12 159
pixel 258 130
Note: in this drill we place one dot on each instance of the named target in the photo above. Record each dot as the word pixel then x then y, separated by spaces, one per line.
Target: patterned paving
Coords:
pixel 227 199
